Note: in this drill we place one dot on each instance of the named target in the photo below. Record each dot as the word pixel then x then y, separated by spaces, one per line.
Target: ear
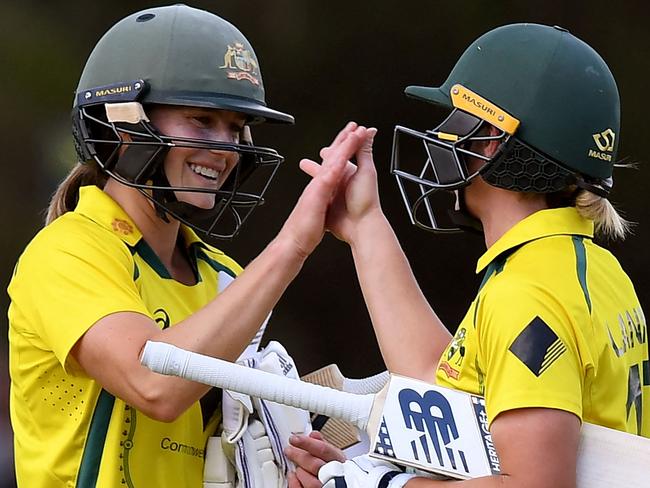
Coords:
pixel 492 146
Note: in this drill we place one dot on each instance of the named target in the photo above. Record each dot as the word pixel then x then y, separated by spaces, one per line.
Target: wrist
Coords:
pixel 367 229
pixel 288 251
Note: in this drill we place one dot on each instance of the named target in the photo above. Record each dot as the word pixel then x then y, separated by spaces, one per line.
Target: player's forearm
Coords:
pixel 222 329
pixel 499 481
pixel 225 326
pixel 486 482
pixel 410 335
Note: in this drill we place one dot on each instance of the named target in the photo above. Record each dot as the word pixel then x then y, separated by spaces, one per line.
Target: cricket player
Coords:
pixel 556 335
pixel 161 128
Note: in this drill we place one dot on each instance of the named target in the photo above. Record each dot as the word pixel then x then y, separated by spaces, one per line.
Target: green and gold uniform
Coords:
pixel 69 431
pixel 556 324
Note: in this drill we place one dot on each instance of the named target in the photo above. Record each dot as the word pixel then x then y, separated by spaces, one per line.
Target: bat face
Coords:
pixel 434 429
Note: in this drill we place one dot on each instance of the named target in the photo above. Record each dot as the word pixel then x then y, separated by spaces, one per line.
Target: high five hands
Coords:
pixel 356 196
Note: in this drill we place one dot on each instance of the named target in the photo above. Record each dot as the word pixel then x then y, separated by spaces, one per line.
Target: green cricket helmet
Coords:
pixel 174 55
pixel 554 102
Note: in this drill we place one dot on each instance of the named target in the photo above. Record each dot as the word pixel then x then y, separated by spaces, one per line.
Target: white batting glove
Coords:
pixel 255 463
pixel 362 472
pixel 218 472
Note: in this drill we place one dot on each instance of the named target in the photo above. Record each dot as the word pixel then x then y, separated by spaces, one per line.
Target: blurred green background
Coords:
pixel 325 62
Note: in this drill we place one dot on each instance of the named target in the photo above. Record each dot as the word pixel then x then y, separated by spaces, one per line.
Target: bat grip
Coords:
pixel 167 359
pixel 362 386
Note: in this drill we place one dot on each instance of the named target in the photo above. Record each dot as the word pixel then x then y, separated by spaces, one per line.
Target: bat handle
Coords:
pixel 167 359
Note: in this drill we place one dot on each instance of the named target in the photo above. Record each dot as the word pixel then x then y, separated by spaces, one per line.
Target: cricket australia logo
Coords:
pixel 431 415
pixel 605 144
pixel 240 64
pixel 455 354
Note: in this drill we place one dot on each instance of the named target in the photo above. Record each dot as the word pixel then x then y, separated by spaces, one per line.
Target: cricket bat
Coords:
pixel 411 422
pixel 336 431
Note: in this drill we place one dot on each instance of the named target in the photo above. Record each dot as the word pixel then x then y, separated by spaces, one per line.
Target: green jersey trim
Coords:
pixel 581 266
pixel 143 250
pixel 92 455
pixel 216 265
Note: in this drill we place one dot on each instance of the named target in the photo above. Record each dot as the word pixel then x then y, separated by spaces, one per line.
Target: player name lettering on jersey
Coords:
pixel 633 331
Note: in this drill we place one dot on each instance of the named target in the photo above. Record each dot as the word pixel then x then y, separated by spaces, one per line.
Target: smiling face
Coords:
pixel 192 167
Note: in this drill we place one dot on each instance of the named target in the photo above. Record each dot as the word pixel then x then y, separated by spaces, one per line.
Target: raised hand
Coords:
pixel 357 196
pixel 306 224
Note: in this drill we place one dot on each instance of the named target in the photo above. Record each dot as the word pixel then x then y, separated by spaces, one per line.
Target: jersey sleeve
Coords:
pixel 529 351
pixel 67 280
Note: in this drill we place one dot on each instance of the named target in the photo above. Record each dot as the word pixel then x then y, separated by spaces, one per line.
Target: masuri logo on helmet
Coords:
pixel 549 93
pixel 174 55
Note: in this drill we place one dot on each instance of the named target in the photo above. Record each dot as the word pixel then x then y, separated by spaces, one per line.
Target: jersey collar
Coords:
pixel 99 207
pixel 544 223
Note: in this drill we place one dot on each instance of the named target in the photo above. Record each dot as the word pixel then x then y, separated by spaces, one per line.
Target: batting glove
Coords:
pixel 362 472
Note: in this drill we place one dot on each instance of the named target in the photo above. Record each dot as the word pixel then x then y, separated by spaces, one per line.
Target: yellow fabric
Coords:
pixel 88 264
pixel 556 324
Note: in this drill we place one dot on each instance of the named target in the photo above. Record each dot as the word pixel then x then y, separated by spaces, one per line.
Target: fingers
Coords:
pixel 364 154
pixel 349 127
pixel 310 167
pixel 340 137
pixel 316 446
pixel 333 166
pixel 315 434
pixel 293 481
pixel 307 480
pixel 304 459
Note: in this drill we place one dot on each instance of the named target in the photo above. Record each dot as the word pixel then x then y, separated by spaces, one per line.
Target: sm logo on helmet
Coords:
pixel 431 414
pixel 605 143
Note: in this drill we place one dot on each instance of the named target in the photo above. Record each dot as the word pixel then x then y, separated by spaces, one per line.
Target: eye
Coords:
pixel 201 120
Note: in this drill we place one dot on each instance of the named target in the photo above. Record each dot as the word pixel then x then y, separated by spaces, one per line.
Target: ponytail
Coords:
pixel 607 221
pixel 66 196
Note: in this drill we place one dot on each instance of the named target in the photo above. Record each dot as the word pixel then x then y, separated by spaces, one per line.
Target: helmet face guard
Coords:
pixel 515 166
pixel 446 152
pixel 138 163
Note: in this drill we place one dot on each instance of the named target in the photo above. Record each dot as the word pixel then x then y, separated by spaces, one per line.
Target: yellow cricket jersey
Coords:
pixel 556 324
pixel 69 431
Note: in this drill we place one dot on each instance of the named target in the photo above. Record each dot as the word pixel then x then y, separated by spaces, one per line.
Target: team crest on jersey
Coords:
pixel 449 370
pixel 454 355
pixel 456 351
pixel 240 64
pixel 122 227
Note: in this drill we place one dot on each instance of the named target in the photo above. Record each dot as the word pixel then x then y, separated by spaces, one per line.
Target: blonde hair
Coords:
pixel 608 223
pixel 66 196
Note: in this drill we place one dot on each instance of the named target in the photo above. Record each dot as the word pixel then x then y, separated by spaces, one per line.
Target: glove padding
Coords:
pixel 362 472
pixel 255 460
